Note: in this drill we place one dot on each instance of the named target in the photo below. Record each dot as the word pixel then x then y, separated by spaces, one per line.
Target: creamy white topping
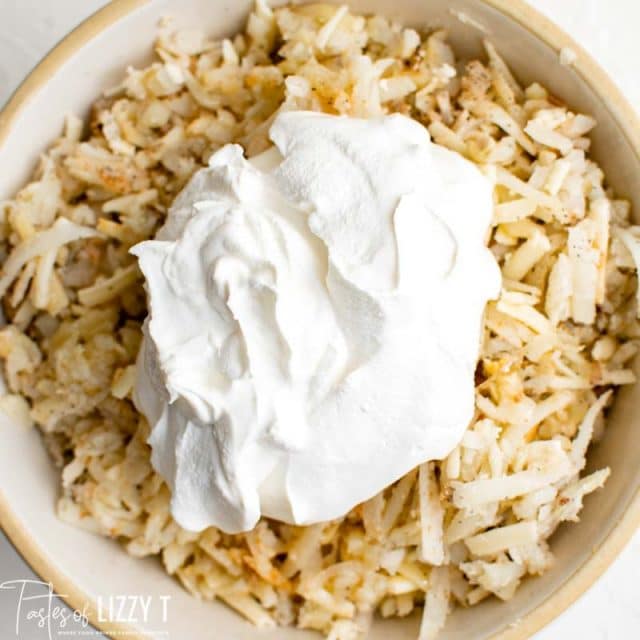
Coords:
pixel 315 318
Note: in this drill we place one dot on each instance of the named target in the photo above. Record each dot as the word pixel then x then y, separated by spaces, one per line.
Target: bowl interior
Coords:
pixel 97 567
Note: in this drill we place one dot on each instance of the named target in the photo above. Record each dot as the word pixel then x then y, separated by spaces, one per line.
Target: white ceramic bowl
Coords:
pixel 87 567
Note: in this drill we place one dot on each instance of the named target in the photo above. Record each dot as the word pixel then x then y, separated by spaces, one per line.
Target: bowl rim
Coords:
pixel 621 111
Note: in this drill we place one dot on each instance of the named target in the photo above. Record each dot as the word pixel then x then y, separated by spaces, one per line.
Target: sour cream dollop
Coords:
pixel 314 320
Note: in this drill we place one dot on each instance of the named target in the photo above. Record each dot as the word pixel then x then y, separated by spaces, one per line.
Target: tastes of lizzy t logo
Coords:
pixel 37 606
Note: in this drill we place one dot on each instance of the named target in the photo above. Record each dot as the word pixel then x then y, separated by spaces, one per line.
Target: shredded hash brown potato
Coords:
pixel 556 343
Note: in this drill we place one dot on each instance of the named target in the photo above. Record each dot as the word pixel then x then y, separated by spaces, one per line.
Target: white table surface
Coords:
pixel 610 610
